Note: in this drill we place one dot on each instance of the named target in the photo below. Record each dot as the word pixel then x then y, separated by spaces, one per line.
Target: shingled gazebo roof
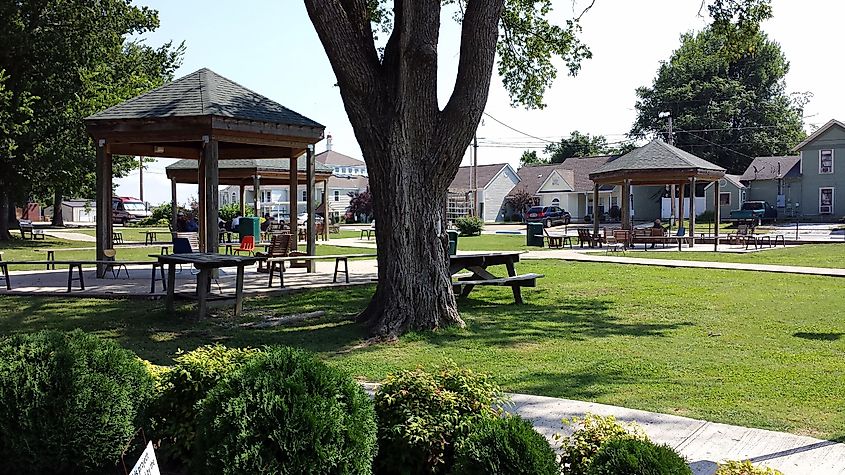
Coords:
pixel 656 163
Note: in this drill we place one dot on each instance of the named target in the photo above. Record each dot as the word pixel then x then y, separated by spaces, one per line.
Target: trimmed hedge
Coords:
pixel 734 467
pixel 628 456
pixel 181 387
pixel 588 436
pixel 469 225
pixel 70 402
pixel 422 414
pixel 504 445
pixel 286 412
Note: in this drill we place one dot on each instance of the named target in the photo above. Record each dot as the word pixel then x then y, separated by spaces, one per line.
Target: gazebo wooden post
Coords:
pixel 596 209
pixel 681 206
pixel 326 218
pixel 294 210
pixel 717 215
pixel 201 200
pixel 626 204
pixel 671 205
pixel 311 238
pixel 211 211
pixel 256 199
pixel 104 203
pixel 241 196
pixel 174 211
pixel 692 212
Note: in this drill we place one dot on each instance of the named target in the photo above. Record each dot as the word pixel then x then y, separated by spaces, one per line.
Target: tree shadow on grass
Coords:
pixel 829 336
pixel 585 384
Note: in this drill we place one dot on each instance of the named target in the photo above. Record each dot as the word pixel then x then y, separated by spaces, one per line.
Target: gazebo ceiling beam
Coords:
pixel 651 177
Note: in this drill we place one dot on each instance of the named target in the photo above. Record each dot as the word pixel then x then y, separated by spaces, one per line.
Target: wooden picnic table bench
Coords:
pixel 77 265
pixel 477 263
pixel 26 227
pixel 276 264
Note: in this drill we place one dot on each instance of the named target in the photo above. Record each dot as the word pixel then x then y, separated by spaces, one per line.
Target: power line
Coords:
pixel 517 130
pixel 714 143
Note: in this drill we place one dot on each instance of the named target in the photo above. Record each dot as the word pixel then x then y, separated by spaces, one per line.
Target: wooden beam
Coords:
pixel 256 195
pixel 174 212
pixel 596 209
pixel 326 210
pixel 293 209
pixel 226 126
pixel 201 200
pixel 311 244
pixel 626 204
pixel 104 203
pixel 241 196
pixel 692 212
pixel 161 151
pixel 717 214
pixel 212 209
pixel 681 208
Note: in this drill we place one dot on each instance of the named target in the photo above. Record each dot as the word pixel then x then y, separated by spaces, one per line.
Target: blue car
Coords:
pixel 548 215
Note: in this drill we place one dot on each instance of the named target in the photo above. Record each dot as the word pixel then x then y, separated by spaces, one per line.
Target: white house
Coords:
pixel 494 182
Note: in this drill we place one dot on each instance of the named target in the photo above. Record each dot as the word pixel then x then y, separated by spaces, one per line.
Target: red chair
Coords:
pixel 247 245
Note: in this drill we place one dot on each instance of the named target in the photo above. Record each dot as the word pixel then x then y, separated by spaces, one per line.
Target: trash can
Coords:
pixel 534 234
pixel 453 242
pixel 250 227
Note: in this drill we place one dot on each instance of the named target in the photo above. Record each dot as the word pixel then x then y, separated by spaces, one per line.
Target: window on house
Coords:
pixel 825 162
pixel 234 198
pixel 336 195
pixel 724 199
pixel 826 200
pixel 556 202
pixel 304 195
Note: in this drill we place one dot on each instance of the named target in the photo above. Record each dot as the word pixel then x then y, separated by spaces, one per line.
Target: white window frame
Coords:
pixel 556 202
pixel 832 198
pixel 729 198
pixel 831 161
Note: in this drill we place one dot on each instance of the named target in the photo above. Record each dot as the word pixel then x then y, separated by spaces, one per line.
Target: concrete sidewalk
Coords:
pixel 569 255
pixel 703 443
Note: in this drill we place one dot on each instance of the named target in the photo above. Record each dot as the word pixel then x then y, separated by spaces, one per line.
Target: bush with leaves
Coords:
pixel 159 216
pixel 182 387
pixel 286 412
pixel 629 456
pixel 422 414
pixel 71 402
pixel 587 438
pixel 734 467
pixel 469 225
pixel 504 445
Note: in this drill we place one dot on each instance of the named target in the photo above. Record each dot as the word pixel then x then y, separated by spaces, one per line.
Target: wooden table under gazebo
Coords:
pixel 206 118
pixel 657 163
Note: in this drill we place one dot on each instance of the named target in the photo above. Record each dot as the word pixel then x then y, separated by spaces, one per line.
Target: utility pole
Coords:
pixel 670 139
pixel 141 178
pixel 475 175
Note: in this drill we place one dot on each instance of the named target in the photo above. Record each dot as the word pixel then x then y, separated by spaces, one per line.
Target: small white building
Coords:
pixel 77 211
pixel 494 183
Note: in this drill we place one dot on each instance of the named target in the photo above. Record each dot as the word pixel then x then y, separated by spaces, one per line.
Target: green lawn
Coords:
pixel 130 233
pixel 811 255
pixel 752 349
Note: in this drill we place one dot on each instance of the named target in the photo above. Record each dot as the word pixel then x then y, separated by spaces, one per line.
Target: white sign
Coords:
pixel 147 464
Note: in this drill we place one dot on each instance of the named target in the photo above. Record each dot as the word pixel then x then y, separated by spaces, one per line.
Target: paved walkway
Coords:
pixel 70 236
pixel 568 255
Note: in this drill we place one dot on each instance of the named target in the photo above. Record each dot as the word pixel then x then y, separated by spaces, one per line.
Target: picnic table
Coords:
pixel 276 264
pixel 204 262
pixel 478 262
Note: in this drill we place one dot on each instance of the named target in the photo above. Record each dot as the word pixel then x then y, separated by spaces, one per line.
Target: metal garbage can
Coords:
pixel 250 227
pixel 534 234
pixel 453 242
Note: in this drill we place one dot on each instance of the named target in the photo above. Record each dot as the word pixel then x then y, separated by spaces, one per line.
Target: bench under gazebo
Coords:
pixel 657 163
pixel 206 118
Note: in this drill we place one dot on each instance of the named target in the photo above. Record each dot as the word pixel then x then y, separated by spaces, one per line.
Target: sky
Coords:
pixel 270 47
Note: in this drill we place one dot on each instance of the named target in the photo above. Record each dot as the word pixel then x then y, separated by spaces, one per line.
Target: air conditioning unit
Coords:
pixel 825 209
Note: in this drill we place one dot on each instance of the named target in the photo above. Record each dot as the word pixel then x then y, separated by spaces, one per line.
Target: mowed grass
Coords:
pixel 753 349
pixel 809 255
pixel 130 233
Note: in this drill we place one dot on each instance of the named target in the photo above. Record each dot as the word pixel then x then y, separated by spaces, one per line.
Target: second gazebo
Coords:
pixel 656 163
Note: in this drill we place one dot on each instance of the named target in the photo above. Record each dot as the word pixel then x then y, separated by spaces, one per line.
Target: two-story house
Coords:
pixel 822 169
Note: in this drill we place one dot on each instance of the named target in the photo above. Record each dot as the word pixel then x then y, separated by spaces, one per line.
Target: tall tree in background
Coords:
pixel 412 147
pixel 725 90
pixel 67 59
pixel 530 157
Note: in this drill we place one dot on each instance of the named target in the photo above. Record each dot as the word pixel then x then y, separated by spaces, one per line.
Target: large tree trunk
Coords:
pixel 58 219
pixel 411 147
pixel 5 202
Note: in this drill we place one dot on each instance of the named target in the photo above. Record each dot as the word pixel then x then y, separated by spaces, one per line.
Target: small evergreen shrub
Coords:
pixel 587 438
pixel 706 217
pixel 180 388
pixel 286 412
pixel 469 225
pixel 628 456
pixel 421 414
pixel 504 445
pixel 70 402
pixel 734 467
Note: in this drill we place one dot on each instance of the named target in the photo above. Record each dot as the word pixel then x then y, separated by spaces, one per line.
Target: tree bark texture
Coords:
pixel 5 205
pixel 58 219
pixel 411 147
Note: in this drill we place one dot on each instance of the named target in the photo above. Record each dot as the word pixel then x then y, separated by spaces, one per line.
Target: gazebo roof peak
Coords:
pixel 204 93
pixel 657 155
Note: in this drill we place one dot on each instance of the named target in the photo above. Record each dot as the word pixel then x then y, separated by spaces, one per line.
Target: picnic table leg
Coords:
pixel 5 269
pixel 171 288
pixel 517 294
pixel 202 292
pixel 81 279
pixel 239 291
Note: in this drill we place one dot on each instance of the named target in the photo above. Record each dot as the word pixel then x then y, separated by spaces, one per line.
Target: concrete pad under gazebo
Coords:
pixel 203 117
pixel 657 163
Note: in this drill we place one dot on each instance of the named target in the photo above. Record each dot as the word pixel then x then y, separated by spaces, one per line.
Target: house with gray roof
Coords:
pixel 822 173
pixel 732 193
pixel 494 182
pixel 776 180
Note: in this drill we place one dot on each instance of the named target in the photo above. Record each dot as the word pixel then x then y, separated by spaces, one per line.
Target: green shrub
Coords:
pixel 733 467
pixel 159 216
pixel 286 412
pixel 706 217
pixel 504 445
pixel 70 402
pixel 587 438
pixel 187 382
pixel 421 414
pixel 628 456
pixel 469 225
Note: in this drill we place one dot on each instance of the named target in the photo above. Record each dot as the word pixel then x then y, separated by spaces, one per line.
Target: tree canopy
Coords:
pixel 576 145
pixel 724 88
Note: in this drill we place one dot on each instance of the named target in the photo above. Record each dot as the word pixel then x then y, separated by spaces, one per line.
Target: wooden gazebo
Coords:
pixel 204 117
pixel 657 163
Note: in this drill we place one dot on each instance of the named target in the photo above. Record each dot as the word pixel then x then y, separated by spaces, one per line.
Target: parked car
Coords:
pixel 548 215
pixel 134 208
pixel 756 211
pixel 120 216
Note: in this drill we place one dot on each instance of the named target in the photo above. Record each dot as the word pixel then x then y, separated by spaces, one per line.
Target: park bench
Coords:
pixel 515 282
pixel 585 236
pixel 280 246
pixel 276 264
pixel 369 232
pixel 478 263
pixel 76 265
pixel 27 228
pixel 556 240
